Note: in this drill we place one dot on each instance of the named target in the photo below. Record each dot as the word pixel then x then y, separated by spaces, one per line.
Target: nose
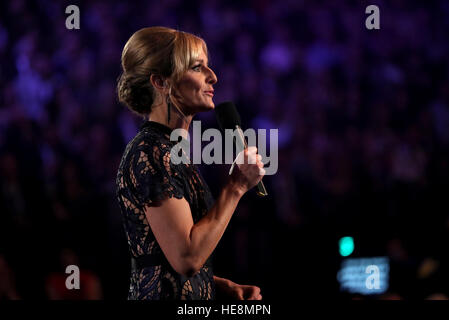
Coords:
pixel 212 77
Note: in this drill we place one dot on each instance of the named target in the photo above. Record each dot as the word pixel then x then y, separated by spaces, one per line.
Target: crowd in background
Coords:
pixel 363 119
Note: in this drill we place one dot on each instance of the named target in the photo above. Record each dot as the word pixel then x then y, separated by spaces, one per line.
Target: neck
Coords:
pixel 177 119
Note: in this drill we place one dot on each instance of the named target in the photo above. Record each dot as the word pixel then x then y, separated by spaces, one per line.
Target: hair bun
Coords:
pixel 135 92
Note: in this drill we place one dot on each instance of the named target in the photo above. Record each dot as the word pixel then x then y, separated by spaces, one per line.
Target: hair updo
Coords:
pixel 154 50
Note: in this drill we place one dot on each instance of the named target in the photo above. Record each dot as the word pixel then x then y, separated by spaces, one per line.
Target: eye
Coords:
pixel 197 67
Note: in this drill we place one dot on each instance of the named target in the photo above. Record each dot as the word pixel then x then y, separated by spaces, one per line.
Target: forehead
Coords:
pixel 202 56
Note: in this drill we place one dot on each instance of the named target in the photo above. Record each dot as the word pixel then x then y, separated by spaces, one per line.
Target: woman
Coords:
pixel 171 221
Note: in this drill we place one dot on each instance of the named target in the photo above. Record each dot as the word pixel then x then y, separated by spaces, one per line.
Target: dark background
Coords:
pixel 363 119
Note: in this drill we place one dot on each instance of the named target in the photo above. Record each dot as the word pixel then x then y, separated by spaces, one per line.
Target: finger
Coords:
pixel 244 156
pixel 261 171
pixel 260 164
pixel 252 149
pixel 252 159
pixel 253 296
pixel 255 292
pixel 248 151
pixel 259 297
pixel 259 157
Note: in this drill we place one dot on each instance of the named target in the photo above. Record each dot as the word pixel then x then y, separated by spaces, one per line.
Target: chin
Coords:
pixel 207 107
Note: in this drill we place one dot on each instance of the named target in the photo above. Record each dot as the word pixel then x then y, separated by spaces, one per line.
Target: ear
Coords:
pixel 158 82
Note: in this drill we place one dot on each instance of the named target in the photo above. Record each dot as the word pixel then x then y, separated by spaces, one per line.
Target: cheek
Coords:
pixel 191 90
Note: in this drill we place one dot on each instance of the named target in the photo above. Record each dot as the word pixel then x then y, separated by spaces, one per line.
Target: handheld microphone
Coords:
pixel 229 118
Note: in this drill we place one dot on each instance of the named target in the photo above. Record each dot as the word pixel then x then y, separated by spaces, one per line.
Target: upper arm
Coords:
pixel 159 188
pixel 171 223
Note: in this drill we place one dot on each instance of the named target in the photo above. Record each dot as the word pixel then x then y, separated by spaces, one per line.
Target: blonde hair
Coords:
pixel 154 50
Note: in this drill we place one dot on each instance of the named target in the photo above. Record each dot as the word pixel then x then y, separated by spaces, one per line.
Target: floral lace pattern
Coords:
pixel 145 177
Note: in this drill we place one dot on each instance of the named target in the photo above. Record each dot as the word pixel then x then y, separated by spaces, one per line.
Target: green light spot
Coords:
pixel 346 245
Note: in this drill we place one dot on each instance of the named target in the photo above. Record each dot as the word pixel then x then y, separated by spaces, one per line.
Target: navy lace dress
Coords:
pixel 146 176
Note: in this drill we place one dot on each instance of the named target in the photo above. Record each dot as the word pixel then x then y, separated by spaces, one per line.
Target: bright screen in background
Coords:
pixel 364 275
pixel 346 246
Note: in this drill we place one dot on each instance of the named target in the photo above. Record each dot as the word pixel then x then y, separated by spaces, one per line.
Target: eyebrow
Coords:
pixel 202 61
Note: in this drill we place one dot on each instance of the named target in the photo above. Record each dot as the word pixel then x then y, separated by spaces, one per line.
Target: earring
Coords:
pixel 168 109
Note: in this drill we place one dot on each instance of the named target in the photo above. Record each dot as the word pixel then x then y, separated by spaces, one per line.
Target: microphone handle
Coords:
pixel 261 191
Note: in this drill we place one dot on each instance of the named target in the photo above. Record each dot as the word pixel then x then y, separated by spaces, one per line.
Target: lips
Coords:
pixel 209 93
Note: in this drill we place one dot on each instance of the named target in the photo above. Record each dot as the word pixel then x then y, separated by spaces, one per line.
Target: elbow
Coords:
pixel 190 272
pixel 187 267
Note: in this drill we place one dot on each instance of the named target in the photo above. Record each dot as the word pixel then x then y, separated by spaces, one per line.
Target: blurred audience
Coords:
pixel 363 119
pixel 8 290
pixel 56 282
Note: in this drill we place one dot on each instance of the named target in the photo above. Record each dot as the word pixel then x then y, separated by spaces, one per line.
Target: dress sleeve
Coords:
pixel 154 176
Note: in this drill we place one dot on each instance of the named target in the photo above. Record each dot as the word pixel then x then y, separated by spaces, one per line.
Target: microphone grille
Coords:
pixel 227 115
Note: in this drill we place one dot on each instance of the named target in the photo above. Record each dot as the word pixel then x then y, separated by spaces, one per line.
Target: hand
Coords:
pixel 238 291
pixel 248 171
